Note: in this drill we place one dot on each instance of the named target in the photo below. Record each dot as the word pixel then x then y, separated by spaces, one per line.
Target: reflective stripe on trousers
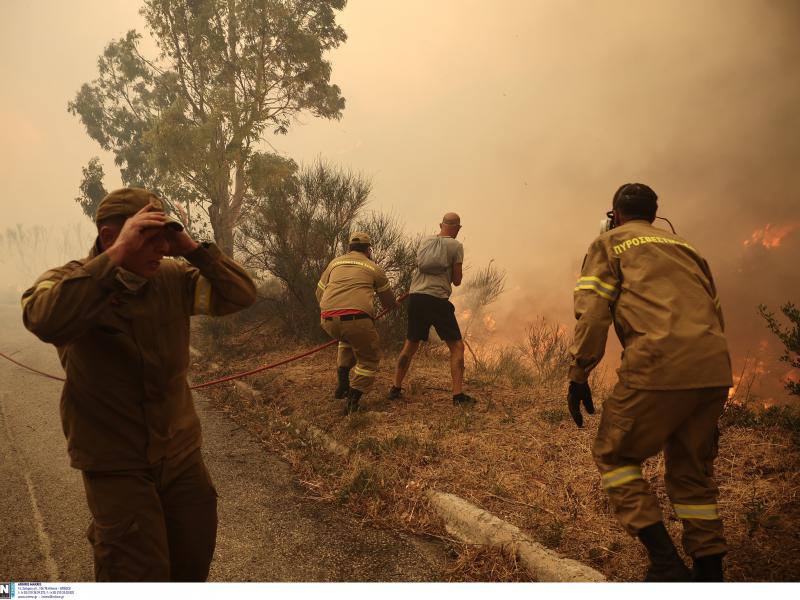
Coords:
pixel 706 512
pixel 621 475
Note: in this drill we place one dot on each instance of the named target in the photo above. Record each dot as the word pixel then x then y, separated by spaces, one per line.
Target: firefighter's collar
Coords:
pixel 130 281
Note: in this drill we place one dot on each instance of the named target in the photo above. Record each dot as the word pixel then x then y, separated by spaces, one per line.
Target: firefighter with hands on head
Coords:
pixel 345 293
pixel 120 322
pixel 673 381
pixel 440 260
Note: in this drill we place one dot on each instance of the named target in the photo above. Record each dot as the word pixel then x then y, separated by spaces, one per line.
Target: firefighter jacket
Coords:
pixel 658 292
pixel 124 344
pixel 350 281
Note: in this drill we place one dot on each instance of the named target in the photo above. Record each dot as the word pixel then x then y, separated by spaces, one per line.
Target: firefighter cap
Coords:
pixel 359 237
pixel 126 202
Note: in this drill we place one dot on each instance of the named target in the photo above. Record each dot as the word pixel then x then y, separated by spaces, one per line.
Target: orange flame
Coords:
pixel 770 237
pixel 734 387
pixel 791 376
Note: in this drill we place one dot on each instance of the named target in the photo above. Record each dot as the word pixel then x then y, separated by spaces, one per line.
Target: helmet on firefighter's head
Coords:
pixel 359 237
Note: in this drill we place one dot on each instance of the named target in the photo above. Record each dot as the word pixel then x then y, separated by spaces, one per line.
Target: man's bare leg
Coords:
pixel 404 362
pixel 457 364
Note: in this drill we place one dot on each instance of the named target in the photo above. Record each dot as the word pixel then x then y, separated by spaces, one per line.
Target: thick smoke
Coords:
pixel 698 100
pixel 27 251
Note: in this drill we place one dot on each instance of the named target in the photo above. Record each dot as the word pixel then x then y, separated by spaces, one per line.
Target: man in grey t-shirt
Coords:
pixel 439 266
pixel 438 282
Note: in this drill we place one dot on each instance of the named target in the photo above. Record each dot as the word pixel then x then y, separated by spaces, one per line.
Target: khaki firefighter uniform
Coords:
pixel 673 379
pixel 126 408
pixel 350 282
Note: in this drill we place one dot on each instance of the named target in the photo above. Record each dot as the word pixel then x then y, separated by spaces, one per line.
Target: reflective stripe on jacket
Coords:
pixel 660 295
pixel 351 281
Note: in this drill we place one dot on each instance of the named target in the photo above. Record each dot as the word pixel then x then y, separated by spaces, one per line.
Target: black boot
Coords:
pixel 353 397
pixel 395 393
pixel 708 568
pixel 344 383
pixel 665 564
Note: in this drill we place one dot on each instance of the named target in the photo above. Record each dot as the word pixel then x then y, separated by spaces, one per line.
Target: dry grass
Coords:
pixel 516 454
pixel 476 563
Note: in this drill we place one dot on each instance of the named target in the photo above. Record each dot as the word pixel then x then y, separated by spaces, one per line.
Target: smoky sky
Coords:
pixel 523 116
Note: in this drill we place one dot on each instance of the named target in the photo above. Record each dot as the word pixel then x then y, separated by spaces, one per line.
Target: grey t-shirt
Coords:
pixel 438 284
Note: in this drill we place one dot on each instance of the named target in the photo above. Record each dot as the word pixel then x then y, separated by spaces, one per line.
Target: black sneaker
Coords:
pixel 463 399
pixel 395 393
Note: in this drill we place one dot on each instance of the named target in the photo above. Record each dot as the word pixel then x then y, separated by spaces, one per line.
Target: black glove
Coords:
pixel 579 392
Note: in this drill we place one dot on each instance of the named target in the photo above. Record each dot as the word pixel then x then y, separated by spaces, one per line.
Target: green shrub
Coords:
pixel 746 416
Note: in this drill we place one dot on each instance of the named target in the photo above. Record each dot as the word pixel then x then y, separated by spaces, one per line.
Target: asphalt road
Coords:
pixel 267 531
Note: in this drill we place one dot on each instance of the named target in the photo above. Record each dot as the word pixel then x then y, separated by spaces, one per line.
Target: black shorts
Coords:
pixel 424 311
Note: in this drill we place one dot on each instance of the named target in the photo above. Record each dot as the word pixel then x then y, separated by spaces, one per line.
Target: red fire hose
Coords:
pixel 229 377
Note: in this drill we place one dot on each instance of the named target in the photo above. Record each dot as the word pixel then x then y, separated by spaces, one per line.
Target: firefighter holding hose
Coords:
pixel 346 292
pixel 673 381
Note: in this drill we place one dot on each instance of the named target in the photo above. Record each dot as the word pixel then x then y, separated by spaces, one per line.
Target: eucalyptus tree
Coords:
pixel 190 122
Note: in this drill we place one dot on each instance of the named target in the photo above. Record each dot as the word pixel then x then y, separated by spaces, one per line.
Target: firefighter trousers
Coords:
pixel 636 425
pixel 359 349
pixel 154 524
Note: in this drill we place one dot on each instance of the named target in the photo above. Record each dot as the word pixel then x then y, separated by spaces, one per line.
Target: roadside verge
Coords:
pixel 465 521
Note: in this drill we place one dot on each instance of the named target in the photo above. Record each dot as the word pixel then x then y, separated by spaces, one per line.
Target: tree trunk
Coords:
pixel 223 230
pixel 219 214
pixel 225 242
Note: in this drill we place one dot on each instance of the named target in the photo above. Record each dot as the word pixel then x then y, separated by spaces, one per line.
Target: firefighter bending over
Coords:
pixel 673 381
pixel 345 293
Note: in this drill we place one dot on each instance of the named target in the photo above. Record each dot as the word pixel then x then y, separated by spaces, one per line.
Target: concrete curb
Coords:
pixel 301 426
pixel 316 434
pixel 474 525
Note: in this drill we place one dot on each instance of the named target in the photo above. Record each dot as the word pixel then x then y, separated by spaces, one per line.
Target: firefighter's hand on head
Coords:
pixel 579 393
pixel 180 243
